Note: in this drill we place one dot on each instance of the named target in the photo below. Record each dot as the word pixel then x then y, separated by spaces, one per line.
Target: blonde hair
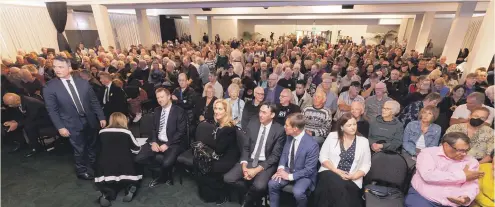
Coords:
pixel 208 86
pixel 227 119
pixel 117 120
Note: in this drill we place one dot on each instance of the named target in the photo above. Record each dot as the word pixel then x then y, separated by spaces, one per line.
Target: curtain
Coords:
pixel 472 32
pixel 25 27
pixel 125 28
pixel 58 14
pixel 182 26
pixel 167 27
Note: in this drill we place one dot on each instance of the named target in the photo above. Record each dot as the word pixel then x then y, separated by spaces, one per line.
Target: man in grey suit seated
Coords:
pixel 260 155
pixel 297 164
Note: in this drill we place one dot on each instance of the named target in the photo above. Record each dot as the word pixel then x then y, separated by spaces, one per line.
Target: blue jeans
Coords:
pixel 414 199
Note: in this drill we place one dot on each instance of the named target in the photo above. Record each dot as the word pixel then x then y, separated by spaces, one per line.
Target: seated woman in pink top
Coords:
pixel 445 175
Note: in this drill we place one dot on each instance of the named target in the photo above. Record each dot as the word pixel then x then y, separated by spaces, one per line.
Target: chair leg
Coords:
pixel 181 173
pixel 171 174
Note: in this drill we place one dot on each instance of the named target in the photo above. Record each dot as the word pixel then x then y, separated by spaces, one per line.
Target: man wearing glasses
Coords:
pixel 445 175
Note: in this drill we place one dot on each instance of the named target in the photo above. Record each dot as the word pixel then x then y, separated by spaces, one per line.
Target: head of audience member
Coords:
pixel 482 75
pixel 170 67
pixel 354 89
pixel 182 79
pixel 12 100
pixel 475 99
pixel 26 76
pixel 133 66
pixel 430 66
pixel 61 66
pixel 294 124
pixel 357 109
pixel 394 75
pixel 233 91
pixel 432 99
pixel 478 116
pixel 209 91
pixel 142 64
pixel 285 97
pixel 105 78
pixel 490 92
pixel 120 65
pixel 380 89
pixel 314 69
pixel 288 73
pixel 390 109
pixel 458 92
pixel 300 87
pixel 222 112
pixel 471 79
pixel 443 60
pixel 155 65
pixel 326 83
pixel 163 97
pixel 106 62
pixel 272 80
pixel 424 84
pixel 319 99
pixel 85 74
pixel 267 113
pixel 451 68
pixel 259 95
pixel 421 65
pixel 439 83
pixel 186 61
pixel 117 120
pixel 346 126
pixel 456 145
pixel 428 114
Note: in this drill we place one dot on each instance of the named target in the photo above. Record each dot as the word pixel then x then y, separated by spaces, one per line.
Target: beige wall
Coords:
pixel 80 21
pixel 439 33
pixel 226 28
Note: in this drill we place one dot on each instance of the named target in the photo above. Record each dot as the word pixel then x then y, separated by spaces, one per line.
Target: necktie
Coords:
pixel 291 156
pixel 107 99
pixel 163 120
pixel 79 107
pixel 260 145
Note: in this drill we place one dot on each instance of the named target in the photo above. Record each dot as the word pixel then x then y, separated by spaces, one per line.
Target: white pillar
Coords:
pixel 144 28
pixel 209 21
pixel 411 42
pixel 402 29
pixel 424 32
pixel 105 31
pixel 458 30
pixel 193 29
pixel 483 50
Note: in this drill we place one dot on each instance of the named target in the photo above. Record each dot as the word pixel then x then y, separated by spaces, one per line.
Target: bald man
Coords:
pixel 31 84
pixel 357 111
pixel 285 107
pixel 252 108
pixel 272 92
pixel 375 103
pixel 30 115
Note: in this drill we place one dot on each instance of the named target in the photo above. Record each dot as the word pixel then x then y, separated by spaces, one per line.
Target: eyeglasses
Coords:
pixel 463 151
pixel 261 94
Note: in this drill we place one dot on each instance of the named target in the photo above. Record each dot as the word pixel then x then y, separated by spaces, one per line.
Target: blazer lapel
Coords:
pixel 170 114
pixel 269 139
pixel 65 93
pixel 300 149
pixel 254 134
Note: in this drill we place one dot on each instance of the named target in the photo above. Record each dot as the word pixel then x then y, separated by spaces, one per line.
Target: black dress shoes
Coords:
pixel 85 176
pixel 155 182
pixel 31 153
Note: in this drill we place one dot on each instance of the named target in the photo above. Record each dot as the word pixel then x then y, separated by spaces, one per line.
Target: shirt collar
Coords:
pixel 110 84
pixel 268 125
pixel 299 136
pixel 70 78
pixel 167 108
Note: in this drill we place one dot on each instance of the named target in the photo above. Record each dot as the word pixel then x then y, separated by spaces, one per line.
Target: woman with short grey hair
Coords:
pixel 386 131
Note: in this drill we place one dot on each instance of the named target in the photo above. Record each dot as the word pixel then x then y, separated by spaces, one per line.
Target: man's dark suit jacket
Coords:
pixel 111 69
pixel 63 111
pixel 176 126
pixel 274 143
pixel 35 112
pixel 117 101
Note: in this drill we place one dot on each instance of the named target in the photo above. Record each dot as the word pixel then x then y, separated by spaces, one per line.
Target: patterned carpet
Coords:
pixel 48 180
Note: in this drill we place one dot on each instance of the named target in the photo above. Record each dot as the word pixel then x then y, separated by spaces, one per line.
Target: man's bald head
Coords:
pixel 357 109
pixel 285 97
pixel 26 75
pixel 12 100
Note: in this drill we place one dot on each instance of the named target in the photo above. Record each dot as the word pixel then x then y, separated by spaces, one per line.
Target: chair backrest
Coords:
pixel 204 132
pixel 149 106
pixel 388 169
pixel 241 138
pixel 145 125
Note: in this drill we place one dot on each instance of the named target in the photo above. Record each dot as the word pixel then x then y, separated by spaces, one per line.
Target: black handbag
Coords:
pixel 381 196
pixel 203 157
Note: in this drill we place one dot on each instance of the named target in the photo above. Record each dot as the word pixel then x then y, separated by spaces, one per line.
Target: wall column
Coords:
pixel 458 30
pixel 193 29
pixel 143 27
pixel 105 31
pixel 424 32
pixel 483 50
pixel 411 41
pixel 209 21
pixel 402 29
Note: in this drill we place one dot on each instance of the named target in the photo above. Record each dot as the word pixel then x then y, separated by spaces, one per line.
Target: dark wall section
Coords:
pixel 167 28
pixel 88 37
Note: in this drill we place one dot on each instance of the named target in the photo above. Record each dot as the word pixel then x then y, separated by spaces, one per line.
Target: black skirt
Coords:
pixel 332 191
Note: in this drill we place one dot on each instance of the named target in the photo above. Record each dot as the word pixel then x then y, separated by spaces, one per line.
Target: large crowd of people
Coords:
pixel 300 104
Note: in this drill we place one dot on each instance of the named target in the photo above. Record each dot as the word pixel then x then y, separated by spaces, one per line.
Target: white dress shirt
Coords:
pixel 262 154
pixel 296 143
pixel 64 81
pixel 162 136
pixel 462 112
pixel 107 93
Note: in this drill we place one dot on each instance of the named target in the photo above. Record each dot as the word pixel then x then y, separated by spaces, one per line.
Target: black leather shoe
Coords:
pixel 104 202
pixel 85 176
pixel 130 195
pixel 31 153
pixel 155 182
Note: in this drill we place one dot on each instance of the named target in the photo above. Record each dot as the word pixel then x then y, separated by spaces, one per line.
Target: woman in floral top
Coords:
pixel 481 135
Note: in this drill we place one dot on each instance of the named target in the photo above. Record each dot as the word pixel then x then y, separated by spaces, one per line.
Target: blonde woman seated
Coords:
pixel 115 168
pixel 345 159
pixel 211 186
pixel 236 103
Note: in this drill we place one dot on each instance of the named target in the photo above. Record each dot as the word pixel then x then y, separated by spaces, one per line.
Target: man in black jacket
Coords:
pixel 260 154
pixel 164 144
pixel 114 98
pixel 252 108
pixel 30 114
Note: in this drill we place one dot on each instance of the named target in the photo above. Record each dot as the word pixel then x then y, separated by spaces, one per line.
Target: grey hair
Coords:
pixel 452 137
pixel 395 106
pixel 264 63
pixel 479 97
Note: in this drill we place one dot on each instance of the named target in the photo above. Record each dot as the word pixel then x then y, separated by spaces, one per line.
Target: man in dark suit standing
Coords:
pixel 30 114
pixel 164 144
pixel 260 154
pixel 74 110
pixel 297 164
pixel 114 98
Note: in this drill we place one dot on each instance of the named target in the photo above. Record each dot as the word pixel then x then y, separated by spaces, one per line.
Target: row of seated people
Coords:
pixel 273 156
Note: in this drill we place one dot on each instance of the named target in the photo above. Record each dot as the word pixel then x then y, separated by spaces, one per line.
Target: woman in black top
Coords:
pixel 204 108
pixel 211 186
pixel 448 105
pixel 115 169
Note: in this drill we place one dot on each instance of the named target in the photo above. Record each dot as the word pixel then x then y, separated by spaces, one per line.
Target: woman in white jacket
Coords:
pixel 300 96
pixel 345 159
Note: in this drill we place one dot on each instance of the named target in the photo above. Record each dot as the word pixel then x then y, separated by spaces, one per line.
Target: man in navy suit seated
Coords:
pixel 297 164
